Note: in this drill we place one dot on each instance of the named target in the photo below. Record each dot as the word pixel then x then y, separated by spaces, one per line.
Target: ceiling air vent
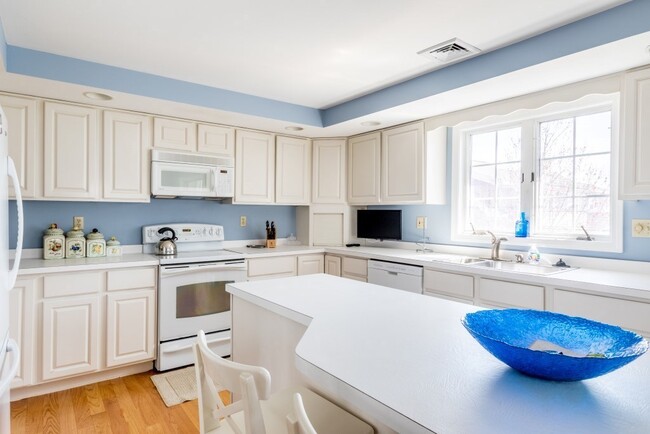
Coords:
pixel 449 51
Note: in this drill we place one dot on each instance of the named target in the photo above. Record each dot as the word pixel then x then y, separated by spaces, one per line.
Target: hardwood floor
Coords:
pixel 124 405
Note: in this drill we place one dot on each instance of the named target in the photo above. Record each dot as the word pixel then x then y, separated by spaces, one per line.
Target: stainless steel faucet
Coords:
pixel 496 244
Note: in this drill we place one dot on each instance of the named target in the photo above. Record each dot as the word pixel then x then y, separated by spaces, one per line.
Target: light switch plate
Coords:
pixel 420 222
pixel 78 221
pixel 640 228
pixel 242 221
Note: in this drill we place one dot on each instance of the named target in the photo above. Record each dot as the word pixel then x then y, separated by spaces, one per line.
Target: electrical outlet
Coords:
pixel 420 222
pixel 78 221
pixel 242 221
pixel 640 228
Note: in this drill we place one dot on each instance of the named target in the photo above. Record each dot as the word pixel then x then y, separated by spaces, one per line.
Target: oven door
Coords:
pixel 193 297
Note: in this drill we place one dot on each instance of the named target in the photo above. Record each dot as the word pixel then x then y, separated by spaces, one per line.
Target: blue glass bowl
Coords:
pixel 570 348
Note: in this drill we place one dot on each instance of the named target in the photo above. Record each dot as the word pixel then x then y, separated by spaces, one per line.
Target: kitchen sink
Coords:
pixel 517 267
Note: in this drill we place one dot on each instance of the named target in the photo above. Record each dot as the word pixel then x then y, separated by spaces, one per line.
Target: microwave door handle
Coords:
pixel 213 187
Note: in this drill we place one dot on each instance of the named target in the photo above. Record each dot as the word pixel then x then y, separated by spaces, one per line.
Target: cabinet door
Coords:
pixel 354 268
pixel 328 177
pixel 634 172
pixel 510 294
pixel 215 139
pixel 333 265
pixel 402 156
pixel 448 284
pixel 254 167
pixel 21 330
pixel 130 323
pixel 310 264
pixel 69 336
pixel 363 169
pixel 174 134
pixel 270 268
pixel 71 152
pixel 127 140
pixel 292 170
pixel 25 142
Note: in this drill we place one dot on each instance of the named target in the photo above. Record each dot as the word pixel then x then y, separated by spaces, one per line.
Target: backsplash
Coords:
pixel 125 220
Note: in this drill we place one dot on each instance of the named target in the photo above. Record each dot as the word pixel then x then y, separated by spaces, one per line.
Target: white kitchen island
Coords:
pixel 404 362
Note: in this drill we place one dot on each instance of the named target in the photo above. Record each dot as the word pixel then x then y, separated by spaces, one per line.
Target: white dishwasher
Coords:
pixel 395 275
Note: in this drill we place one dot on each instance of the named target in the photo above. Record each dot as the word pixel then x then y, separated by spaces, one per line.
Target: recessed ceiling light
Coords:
pixel 370 123
pixel 292 128
pixel 98 96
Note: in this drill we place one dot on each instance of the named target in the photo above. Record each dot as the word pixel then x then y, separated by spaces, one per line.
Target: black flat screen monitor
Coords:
pixel 380 224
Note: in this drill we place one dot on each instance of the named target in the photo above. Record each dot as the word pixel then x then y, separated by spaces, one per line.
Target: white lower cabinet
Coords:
pixel 354 268
pixel 633 315
pixel 21 327
pixel 333 265
pixel 453 286
pixel 311 264
pixel 501 293
pixel 130 327
pixel 272 268
pixel 70 336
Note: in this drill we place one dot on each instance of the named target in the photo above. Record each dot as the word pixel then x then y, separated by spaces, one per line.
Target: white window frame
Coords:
pixel 529 162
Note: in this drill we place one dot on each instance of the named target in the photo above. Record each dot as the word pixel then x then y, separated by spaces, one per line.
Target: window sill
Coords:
pixel 595 245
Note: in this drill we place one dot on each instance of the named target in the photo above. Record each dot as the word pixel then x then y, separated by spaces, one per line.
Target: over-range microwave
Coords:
pixel 178 174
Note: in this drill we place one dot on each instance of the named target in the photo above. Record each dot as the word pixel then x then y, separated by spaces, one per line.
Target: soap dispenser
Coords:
pixel 521 227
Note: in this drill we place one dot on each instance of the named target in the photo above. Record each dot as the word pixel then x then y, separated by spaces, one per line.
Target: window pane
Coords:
pixel 483 148
pixel 556 138
pixel 592 175
pixel 482 182
pixel 481 213
pixel 509 145
pixel 506 215
pixel 593 214
pixel 556 178
pixel 509 180
pixel 555 215
pixel 593 133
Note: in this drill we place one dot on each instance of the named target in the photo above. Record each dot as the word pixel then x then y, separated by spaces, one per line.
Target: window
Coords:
pixel 557 164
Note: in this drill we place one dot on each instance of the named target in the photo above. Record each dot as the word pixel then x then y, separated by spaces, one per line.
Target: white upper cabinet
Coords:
pixel 215 139
pixel 25 142
pixel 292 170
pixel 71 152
pixel 364 169
pixel 634 173
pixel 174 134
pixel 328 177
pixel 254 167
pixel 127 141
pixel 402 156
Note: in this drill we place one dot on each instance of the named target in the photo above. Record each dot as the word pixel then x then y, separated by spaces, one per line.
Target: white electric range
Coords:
pixel 192 291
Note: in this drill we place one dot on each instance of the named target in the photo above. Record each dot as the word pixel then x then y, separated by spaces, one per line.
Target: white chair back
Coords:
pixel 299 423
pixel 214 374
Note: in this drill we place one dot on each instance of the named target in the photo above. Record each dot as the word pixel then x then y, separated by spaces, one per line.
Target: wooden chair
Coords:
pixel 259 412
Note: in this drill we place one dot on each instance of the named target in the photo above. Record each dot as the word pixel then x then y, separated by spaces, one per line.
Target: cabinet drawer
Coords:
pixel 623 313
pixel 455 285
pixel 511 294
pixel 354 277
pixel 57 285
pixel 358 267
pixel 134 278
pixel 285 265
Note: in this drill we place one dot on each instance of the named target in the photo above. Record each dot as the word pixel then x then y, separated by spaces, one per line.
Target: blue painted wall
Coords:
pixel 439 225
pixel 125 220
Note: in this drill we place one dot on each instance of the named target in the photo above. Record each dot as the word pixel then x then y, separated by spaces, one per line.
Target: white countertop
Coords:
pixel 281 250
pixel 408 360
pixel 38 266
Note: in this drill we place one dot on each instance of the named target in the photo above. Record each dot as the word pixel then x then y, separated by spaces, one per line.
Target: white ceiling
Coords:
pixel 321 54
pixel 316 53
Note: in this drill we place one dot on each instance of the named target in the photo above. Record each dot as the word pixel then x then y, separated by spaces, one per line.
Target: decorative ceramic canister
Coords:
pixel 113 247
pixel 53 243
pixel 75 243
pixel 95 244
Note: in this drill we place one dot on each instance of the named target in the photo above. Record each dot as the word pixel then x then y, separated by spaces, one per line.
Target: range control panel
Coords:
pixel 185 232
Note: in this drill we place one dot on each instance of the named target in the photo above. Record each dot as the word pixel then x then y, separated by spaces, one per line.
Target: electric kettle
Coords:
pixel 166 245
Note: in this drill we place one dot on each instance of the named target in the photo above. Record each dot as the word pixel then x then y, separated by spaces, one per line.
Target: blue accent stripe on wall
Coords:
pixel 125 220
pixel 614 24
pixel 70 70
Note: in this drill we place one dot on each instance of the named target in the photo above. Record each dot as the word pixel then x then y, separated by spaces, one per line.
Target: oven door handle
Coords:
pixel 182 347
pixel 239 266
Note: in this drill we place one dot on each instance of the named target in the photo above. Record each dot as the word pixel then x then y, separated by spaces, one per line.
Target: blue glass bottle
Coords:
pixel 521 227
